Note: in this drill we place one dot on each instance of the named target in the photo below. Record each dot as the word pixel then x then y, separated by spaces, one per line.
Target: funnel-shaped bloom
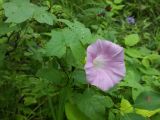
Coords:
pixel 105 64
pixel 131 20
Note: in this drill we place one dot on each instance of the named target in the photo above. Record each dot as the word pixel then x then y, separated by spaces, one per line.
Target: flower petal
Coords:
pixel 92 50
pixel 118 68
pixel 114 51
pixel 91 74
pixel 102 81
pixel 111 50
pixel 114 77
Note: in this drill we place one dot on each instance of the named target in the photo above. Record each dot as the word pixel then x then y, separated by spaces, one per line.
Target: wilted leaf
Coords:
pixel 148 100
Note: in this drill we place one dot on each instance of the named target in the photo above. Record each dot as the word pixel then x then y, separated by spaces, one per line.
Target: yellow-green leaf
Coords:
pixel 131 40
pixel 147 113
pixel 125 106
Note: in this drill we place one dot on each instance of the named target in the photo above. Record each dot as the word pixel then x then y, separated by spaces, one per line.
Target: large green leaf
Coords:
pixel 62 39
pixel 75 45
pixel 56 46
pixel 82 33
pixel 78 52
pixel 79 77
pixel 148 100
pixel 132 80
pixel 132 116
pixel 135 53
pixel 69 58
pixel 73 113
pixel 131 40
pixel 108 102
pixel 50 74
pixel 18 11
pixel 43 16
pixel 92 105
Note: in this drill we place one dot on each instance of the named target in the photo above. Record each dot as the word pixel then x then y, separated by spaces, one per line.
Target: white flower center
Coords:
pixel 99 62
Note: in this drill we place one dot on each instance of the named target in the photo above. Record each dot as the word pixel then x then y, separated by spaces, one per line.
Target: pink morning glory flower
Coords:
pixel 105 65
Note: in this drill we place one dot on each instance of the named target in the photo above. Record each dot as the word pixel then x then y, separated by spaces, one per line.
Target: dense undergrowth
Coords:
pixel 42 55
